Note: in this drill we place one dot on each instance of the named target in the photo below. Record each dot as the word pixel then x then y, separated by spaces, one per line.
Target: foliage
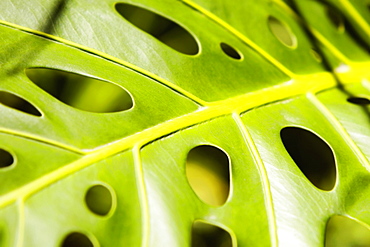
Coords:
pixel 184 123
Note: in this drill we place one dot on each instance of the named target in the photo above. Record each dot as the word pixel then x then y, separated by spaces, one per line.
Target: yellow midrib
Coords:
pixel 236 105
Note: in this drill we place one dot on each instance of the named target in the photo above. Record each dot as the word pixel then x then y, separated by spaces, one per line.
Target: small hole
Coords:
pixel 207 235
pixel 163 29
pixel 6 159
pixel 99 200
pixel 316 55
pixel 282 32
pixel 359 101
pixel 207 170
pixel 77 239
pixel 81 92
pixel 342 231
pixel 231 52
pixel 336 19
pixel 15 102
pixel 312 155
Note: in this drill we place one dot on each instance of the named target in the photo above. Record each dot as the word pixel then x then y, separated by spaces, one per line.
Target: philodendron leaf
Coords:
pixel 184 123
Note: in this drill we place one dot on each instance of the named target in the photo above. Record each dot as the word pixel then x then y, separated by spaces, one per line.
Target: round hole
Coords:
pixel 336 19
pixel 312 155
pixel 77 239
pixel 6 159
pixel 99 200
pixel 359 101
pixel 316 55
pixel 208 173
pixel 230 51
pixel 282 32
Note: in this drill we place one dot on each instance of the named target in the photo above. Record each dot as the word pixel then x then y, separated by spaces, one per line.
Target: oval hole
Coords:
pixel 6 159
pixel 207 235
pixel 230 51
pixel 342 231
pixel 207 170
pixel 282 32
pixel 76 239
pixel 316 55
pixel 312 155
pixel 336 19
pixel 359 101
pixel 163 29
pixel 99 200
pixel 15 102
pixel 81 92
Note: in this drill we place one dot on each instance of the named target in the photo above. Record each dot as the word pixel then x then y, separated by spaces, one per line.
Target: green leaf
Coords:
pixel 184 123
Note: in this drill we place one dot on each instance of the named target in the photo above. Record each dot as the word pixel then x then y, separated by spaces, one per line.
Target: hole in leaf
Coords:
pixel 77 239
pixel 336 19
pixel 163 29
pixel 230 51
pixel 15 102
pixel 359 101
pixel 342 25
pixel 81 92
pixel 207 235
pixel 342 231
pixel 207 170
pixel 6 159
pixel 316 55
pixel 99 200
pixel 312 155
pixel 282 32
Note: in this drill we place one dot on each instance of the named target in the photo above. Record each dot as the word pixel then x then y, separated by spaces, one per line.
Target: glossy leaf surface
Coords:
pixel 184 123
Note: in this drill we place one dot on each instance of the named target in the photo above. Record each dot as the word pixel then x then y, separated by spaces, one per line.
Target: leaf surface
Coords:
pixel 119 104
